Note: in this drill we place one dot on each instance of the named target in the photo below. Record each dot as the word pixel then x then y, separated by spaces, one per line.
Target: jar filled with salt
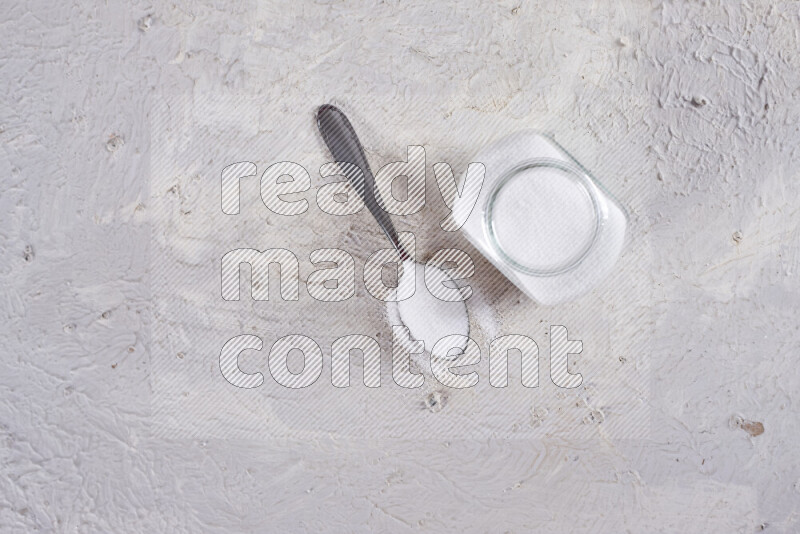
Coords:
pixel 542 219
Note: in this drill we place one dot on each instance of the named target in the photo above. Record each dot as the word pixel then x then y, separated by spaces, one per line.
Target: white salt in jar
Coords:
pixel 542 219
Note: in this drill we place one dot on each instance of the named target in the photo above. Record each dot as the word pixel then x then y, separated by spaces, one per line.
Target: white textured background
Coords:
pixel 702 96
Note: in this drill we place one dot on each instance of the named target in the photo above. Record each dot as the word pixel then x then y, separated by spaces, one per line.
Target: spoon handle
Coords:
pixel 343 143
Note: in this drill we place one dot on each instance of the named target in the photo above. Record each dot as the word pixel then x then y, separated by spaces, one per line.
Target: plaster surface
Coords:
pixel 689 112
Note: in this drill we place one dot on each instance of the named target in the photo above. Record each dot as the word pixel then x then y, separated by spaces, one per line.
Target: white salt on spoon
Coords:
pixel 428 318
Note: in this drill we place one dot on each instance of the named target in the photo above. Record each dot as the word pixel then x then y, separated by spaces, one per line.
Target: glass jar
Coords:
pixel 543 220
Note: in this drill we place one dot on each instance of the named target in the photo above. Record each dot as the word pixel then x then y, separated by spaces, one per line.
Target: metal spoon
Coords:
pixel 342 141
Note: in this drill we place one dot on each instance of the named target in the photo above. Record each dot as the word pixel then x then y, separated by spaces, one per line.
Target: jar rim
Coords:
pixel 581 178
